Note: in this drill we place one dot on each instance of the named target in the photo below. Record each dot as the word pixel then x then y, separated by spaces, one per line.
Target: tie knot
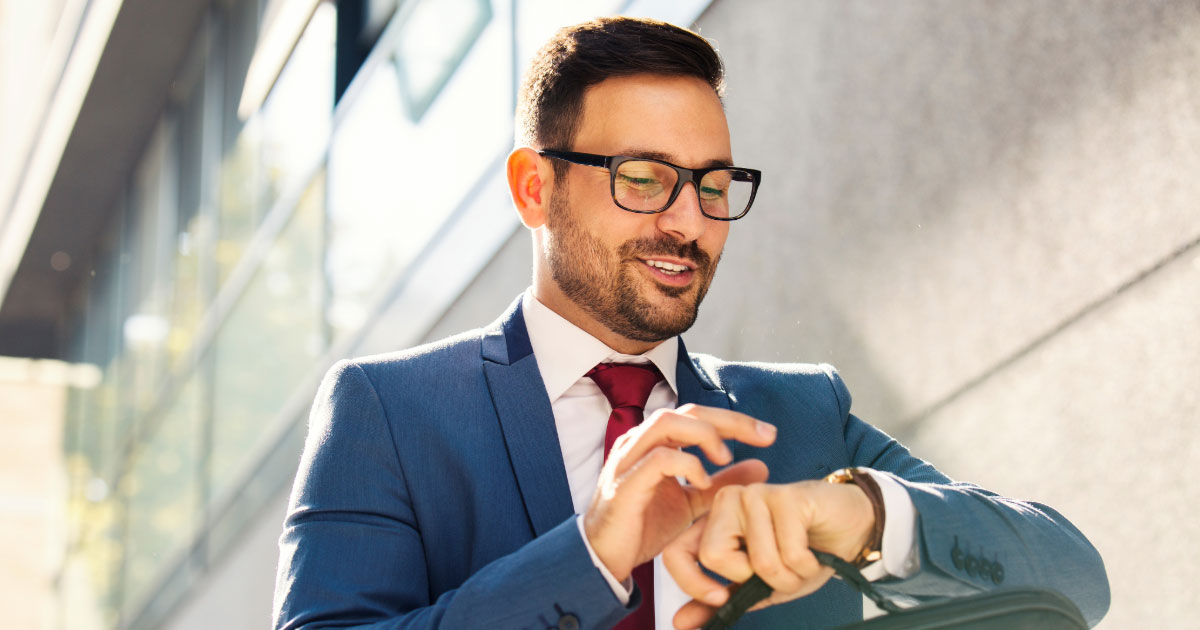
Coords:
pixel 625 384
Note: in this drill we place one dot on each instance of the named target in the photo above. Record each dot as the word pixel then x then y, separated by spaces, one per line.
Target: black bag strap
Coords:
pixel 755 590
pixel 852 576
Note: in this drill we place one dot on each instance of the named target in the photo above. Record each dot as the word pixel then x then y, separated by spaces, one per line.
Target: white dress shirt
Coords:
pixel 565 353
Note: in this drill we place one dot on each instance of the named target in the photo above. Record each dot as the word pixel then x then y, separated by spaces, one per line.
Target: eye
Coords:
pixel 639 182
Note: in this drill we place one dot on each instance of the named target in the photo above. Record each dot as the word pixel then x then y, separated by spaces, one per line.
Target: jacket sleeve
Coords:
pixel 351 553
pixel 971 540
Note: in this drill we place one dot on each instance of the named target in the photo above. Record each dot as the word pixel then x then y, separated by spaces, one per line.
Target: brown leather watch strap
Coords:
pixel 873 550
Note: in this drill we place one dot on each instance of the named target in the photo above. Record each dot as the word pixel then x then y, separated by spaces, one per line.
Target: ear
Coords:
pixel 528 179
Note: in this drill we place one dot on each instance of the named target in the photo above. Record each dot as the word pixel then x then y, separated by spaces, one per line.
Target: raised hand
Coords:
pixel 639 506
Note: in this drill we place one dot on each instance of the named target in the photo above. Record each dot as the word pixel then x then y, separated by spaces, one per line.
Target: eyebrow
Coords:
pixel 659 155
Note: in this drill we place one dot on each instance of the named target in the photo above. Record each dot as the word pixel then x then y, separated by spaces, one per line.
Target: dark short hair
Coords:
pixel 550 104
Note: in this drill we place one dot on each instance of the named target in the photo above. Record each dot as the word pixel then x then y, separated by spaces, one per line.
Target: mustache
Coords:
pixel 647 247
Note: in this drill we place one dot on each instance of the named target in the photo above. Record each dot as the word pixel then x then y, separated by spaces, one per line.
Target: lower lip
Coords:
pixel 681 279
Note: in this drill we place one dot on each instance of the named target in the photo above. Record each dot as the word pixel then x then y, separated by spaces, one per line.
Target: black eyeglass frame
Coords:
pixel 684 175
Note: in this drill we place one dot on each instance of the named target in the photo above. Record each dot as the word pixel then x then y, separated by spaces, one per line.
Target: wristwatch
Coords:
pixel 873 550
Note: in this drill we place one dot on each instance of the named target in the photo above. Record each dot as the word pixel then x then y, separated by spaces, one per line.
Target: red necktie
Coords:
pixel 627 387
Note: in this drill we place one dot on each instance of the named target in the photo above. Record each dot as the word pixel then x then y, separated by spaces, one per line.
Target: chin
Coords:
pixel 657 318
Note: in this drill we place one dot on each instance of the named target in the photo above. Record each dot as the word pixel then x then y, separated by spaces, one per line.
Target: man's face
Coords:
pixel 610 262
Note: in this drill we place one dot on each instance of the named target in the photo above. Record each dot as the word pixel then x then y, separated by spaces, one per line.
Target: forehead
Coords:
pixel 679 118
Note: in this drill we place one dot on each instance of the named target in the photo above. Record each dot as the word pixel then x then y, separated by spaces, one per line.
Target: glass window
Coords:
pixel 433 38
pixel 193 227
pixel 297 112
pixel 97 444
pixel 278 146
pixel 161 490
pixel 393 183
pixel 150 228
pixel 89 586
pixel 240 171
pixel 269 342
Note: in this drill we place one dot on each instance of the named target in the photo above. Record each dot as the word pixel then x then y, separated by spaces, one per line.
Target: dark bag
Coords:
pixel 1002 609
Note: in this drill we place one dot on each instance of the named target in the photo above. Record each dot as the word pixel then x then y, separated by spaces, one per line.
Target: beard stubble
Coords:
pixel 602 283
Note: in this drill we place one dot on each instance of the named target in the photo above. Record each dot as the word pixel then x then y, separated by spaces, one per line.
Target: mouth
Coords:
pixel 673 272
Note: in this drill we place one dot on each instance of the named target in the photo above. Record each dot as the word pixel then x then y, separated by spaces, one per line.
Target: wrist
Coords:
pixel 596 542
pixel 872 545
pixel 622 589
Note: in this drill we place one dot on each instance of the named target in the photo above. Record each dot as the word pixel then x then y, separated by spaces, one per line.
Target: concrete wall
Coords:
pixel 985 215
pixel 236 593
pixel 32 493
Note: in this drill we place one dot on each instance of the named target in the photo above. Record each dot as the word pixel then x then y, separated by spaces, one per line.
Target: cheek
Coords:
pixel 713 240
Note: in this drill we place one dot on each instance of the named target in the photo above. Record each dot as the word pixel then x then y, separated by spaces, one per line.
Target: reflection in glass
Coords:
pixel 89 588
pixel 278 145
pixel 161 491
pixel 434 37
pixel 269 341
pixel 393 183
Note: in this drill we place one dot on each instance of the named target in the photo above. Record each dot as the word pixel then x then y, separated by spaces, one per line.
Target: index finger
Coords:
pixel 732 424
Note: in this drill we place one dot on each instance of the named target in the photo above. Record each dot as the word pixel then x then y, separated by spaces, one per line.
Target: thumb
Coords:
pixel 740 474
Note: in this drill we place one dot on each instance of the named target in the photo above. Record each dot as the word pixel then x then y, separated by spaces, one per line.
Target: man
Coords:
pixel 493 480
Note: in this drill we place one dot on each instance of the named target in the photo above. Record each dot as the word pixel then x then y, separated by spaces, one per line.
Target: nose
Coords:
pixel 683 219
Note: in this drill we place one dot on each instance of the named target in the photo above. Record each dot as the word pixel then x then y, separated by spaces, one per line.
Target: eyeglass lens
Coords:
pixel 644 185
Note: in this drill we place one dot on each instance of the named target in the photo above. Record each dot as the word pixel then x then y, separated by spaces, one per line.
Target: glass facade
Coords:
pixel 246 252
pixel 270 340
pixel 204 312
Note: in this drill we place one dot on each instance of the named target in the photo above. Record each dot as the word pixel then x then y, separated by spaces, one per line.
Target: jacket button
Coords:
pixel 972 565
pixel 568 622
pixel 956 555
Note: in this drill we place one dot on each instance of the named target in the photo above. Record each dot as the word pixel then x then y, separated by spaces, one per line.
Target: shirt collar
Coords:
pixel 565 352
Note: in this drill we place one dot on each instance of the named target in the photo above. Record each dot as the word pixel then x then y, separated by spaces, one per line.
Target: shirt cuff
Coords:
pixel 622 591
pixel 899 557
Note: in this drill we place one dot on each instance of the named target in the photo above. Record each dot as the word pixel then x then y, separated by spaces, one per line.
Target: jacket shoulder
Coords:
pixel 417 367
pixel 463 346
pixel 811 381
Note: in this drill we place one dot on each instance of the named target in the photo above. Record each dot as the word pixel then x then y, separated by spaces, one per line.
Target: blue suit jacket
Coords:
pixel 432 494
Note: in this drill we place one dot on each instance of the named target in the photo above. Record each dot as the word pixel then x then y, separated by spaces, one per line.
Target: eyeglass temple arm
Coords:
pixel 584 159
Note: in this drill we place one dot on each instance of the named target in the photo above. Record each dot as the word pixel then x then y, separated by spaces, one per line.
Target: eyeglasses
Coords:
pixel 650 186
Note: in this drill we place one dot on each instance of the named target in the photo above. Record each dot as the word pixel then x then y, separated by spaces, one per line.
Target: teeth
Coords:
pixel 666 266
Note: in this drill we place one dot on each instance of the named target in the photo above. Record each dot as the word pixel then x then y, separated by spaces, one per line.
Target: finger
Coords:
pixel 721 547
pixel 743 473
pixel 732 424
pixel 671 429
pixel 791 523
pixel 762 547
pixel 645 475
pixel 693 615
pixel 681 560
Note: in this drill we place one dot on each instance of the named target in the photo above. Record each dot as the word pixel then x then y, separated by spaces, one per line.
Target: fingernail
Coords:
pixel 725 452
pixel 716 597
pixel 766 430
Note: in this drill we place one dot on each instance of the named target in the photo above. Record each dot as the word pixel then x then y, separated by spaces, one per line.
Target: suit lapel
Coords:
pixel 526 420
pixel 695 386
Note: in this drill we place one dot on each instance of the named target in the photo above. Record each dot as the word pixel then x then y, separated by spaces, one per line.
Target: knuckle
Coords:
pixel 764 564
pixel 755 492
pixel 727 494
pixel 710 559
pixel 794 558
pixel 662 455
